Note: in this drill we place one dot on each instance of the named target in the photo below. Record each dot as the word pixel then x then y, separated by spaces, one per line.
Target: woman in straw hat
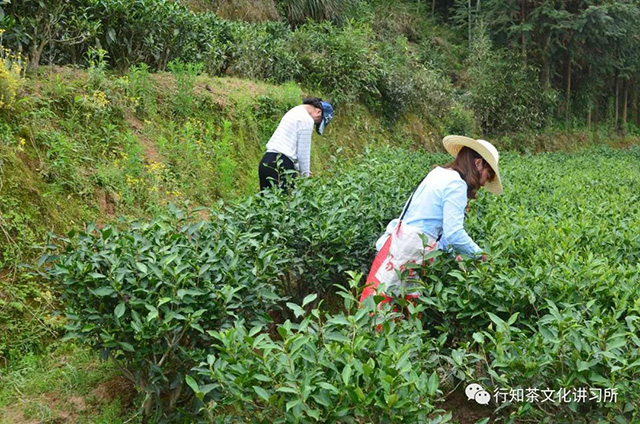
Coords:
pixel 436 210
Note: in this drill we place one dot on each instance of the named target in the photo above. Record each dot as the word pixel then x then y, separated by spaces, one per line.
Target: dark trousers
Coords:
pixel 276 169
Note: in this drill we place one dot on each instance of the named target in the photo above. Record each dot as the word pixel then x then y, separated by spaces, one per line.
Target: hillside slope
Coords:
pixel 86 146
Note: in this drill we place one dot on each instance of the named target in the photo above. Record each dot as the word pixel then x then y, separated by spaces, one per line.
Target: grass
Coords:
pixel 66 384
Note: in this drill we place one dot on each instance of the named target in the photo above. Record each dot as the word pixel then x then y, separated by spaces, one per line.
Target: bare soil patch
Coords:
pixel 466 411
pixel 107 206
pixel 150 149
pixel 115 388
pixel 68 409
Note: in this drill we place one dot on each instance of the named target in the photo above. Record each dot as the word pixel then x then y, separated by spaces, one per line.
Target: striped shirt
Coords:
pixel 293 138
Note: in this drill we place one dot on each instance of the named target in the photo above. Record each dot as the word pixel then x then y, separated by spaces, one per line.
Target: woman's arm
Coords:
pixel 454 204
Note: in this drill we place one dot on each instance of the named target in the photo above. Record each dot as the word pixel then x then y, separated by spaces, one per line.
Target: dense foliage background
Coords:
pixel 520 63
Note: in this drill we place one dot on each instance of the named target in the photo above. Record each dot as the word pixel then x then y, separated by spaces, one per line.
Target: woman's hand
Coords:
pixel 483 258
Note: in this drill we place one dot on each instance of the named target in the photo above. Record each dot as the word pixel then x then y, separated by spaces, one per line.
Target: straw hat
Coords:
pixel 453 144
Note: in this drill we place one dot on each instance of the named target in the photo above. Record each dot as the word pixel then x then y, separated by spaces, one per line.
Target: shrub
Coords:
pixel 551 309
pixel 326 368
pixel 154 290
pixel 10 76
pixel 458 121
pixel 207 39
pixel 185 75
pixel 339 61
pixel 55 28
pixel 156 32
pixel 407 86
pixel 328 228
pixel 548 309
pixel 148 296
pixel 263 51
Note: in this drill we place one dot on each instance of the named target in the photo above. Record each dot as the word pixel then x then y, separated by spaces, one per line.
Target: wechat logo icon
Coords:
pixel 477 393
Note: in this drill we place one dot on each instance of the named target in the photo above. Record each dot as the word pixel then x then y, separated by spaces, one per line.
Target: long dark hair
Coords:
pixel 465 164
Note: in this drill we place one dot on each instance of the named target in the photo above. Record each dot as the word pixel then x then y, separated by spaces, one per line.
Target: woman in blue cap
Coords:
pixel 289 149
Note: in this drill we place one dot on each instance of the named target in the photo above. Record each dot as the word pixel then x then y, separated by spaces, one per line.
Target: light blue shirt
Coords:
pixel 437 209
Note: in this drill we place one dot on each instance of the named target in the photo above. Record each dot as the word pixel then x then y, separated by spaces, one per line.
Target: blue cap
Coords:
pixel 327 116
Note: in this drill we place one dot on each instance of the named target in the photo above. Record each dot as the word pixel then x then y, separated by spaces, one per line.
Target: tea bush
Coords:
pixel 324 228
pixel 144 295
pixel 554 308
pixel 156 32
pixel 147 296
pixel 326 368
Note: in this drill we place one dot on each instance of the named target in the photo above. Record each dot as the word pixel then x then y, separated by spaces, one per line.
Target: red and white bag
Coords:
pixel 404 245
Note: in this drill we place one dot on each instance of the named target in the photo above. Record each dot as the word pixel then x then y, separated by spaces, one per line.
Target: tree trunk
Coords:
pixel 568 92
pixel 433 8
pixel 623 127
pixel 634 102
pixel 46 21
pixel 35 55
pixel 589 102
pixel 617 96
pixel 636 105
pixel 523 17
pixel 469 13
pixel 545 71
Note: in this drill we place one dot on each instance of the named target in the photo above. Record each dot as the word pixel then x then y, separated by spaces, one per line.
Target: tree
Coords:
pixel 504 92
pixel 33 25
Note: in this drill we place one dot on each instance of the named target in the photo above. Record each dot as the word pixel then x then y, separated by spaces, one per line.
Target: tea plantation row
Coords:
pixel 252 314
